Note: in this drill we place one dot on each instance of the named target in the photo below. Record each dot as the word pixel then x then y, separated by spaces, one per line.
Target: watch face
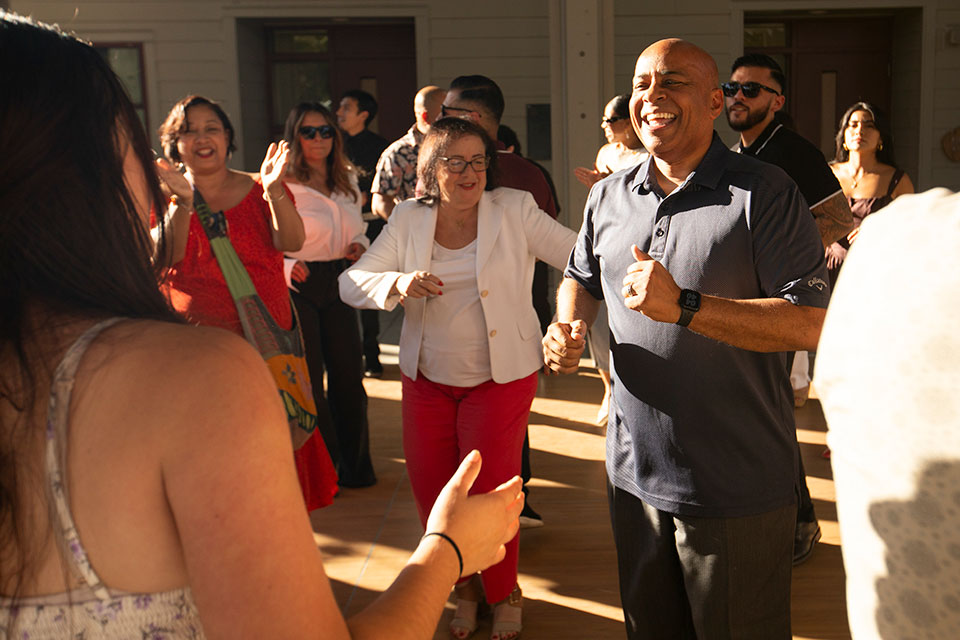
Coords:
pixel 690 300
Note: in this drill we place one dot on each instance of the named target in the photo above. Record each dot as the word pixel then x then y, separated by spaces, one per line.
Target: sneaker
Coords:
pixel 530 519
pixel 372 368
pixel 805 539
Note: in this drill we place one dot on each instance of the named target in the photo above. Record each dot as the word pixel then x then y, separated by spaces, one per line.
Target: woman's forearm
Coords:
pixel 176 231
pixel 417 596
pixel 286 224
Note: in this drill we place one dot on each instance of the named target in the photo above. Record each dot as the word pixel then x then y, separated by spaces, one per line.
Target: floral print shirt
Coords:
pixel 93 610
pixel 397 169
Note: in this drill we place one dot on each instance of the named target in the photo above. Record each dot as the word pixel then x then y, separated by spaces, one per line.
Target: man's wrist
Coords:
pixel 689 304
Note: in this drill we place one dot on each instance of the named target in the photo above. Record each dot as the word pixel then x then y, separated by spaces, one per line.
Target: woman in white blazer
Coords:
pixel 461 261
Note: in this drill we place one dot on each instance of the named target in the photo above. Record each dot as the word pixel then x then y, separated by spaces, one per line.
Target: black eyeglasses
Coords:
pixel 455 112
pixel 750 89
pixel 326 132
pixel 459 165
pixel 613 119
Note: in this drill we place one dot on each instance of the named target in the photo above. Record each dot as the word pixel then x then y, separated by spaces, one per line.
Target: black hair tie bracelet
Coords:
pixel 452 544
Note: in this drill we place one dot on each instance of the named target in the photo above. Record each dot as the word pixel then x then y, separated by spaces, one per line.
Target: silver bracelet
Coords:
pixel 283 194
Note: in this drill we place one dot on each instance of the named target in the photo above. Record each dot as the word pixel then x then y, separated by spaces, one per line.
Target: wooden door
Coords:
pixel 831 63
pixel 322 60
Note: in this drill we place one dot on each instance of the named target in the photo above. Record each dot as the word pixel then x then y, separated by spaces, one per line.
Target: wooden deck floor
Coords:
pixel 567 568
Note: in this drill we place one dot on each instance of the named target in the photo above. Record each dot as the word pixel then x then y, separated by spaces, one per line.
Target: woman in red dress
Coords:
pixel 262 223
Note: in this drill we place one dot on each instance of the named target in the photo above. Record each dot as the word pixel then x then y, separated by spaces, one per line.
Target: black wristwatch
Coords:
pixel 689 305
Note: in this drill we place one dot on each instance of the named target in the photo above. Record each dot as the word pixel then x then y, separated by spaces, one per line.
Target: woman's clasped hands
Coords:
pixel 418 284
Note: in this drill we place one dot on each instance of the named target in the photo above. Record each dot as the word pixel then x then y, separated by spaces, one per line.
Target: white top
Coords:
pixel 888 376
pixel 331 224
pixel 454 349
pixel 512 232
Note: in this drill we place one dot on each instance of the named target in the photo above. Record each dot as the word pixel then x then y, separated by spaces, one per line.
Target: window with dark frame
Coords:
pixel 126 60
pixel 298 68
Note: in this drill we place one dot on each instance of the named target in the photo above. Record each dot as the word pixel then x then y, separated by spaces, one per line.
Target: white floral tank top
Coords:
pixel 94 610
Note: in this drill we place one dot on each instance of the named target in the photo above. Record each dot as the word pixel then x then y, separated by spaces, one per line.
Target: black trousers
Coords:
pixel 805 511
pixel 541 304
pixel 370 318
pixel 332 342
pixel 688 578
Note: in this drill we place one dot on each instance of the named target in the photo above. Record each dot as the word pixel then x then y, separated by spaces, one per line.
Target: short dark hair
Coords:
pixel 176 124
pixel 766 62
pixel 885 153
pixel 435 143
pixel 621 105
pixel 365 102
pixel 482 90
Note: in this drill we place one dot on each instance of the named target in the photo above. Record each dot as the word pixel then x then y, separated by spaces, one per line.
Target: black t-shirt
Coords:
pixel 364 151
pixel 798 158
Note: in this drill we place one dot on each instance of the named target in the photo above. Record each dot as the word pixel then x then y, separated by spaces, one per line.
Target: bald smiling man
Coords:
pixel 711 267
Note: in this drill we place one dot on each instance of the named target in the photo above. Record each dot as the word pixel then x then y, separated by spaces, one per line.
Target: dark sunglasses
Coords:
pixel 750 89
pixel 326 132
pixel 612 120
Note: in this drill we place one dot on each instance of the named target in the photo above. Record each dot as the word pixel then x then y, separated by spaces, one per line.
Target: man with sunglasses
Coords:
pixel 753 98
pixel 396 175
pixel 479 99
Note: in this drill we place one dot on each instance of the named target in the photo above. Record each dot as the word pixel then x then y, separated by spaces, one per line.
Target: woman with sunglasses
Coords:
pixel 262 222
pixel 324 185
pixel 128 509
pixel 623 148
pixel 622 151
pixel 864 166
pixel 460 259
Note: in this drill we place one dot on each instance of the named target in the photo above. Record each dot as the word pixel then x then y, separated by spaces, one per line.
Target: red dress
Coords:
pixel 197 289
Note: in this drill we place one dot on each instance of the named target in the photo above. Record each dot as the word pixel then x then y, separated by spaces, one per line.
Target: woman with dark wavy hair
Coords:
pixel 864 166
pixel 461 258
pixel 126 509
pixel 261 218
pixel 324 185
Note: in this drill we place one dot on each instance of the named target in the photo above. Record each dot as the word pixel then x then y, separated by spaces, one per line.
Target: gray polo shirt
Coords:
pixel 698 427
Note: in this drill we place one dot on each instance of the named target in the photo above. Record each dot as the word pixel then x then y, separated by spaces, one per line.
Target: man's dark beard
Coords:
pixel 754 117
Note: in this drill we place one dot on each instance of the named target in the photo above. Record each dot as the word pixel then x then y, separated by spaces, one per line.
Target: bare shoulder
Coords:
pixel 243 179
pixel 904 187
pixel 177 373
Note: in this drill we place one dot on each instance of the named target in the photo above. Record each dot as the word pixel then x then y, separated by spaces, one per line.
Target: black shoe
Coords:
pixel 372 368
pixel 357 483
pixel 805 539
pixel 530 519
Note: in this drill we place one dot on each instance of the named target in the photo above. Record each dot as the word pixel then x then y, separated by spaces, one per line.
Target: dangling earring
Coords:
pixel 880 146
pixel 845 147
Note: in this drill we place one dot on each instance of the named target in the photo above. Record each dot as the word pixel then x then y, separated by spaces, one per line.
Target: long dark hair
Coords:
pixel 885 152
pixel 72 242
pixel 441 135
pixel 338 167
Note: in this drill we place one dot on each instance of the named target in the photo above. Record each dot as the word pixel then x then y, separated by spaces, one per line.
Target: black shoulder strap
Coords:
pixel 894 181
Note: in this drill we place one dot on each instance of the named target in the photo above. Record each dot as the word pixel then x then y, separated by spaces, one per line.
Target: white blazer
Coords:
pixel 511 233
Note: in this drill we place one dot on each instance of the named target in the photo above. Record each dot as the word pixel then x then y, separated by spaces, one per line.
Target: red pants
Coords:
pixel 442 424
